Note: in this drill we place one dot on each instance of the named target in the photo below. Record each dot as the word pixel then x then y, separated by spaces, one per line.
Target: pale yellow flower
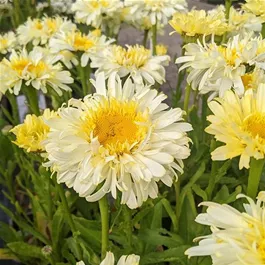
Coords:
pixel 239 123
pixel 161 49
pixel 8 42
pixel 199 22
pixel 237 238
pixel 257 7
pixel 31 133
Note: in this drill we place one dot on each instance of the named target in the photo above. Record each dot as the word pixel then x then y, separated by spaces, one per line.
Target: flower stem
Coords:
pixel 187 99
pixel 145 38
pixel 32 98
pixel 255 172
pixel 104 212
pixel 154 36
pixel 13 102
pixel 68 215
pixel 83 78
pixel 128 224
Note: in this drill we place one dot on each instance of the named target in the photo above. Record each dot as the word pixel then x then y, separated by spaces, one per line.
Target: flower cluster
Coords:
pixel 239 64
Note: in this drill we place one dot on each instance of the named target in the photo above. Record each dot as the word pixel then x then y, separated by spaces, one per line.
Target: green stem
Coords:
pixel 83 79
pixel 17 12
pixel 13 102
pixel 128 224
pixel 177 193
pixel 104 212
pixel 154 36
pixel 228 4
pixel 204 115
pixel 187 99
pixel 145 38
pixel 68 215
pixel 88 72
pixel 255 172
pixel 263 30
pixel 32 97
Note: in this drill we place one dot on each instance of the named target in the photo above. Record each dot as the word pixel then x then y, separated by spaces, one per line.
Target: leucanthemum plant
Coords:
pixel 136 62
pixel 96 158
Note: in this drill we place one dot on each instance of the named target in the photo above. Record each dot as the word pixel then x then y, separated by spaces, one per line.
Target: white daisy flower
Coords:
pixel 238 238
pixel 8 42
pixel 62 6
pixel 134 61
pixel 158 11
pixel 218 68
pixel 124 260
pixel 118 140
pixel 93 12
pixel 39 31
pixel 75 41
pixel 36 69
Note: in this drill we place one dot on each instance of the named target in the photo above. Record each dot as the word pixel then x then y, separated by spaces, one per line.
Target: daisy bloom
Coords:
pixel 253 79
pixel 124 260
pixel 88 44
pixel 199 22
pixel 134 61
pixel 218 68
pixel 256 7
pixel 121 138
pixel 92 12
pixel 39 31
pixel 8 42
pixel 158 11
pixel 238 238
pixel 62 6
pixel 239 123
pixel 243 20
pixel 31 133
pixel 36 69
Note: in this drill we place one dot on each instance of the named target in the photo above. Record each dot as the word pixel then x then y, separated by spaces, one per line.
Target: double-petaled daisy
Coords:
pixel 88 45
pixel 8 41
pixel 199 22
pixel 31 133
pixel 134 61
pixel 123 138
pixel 257 7
pixel 238 238
pixel 158 11
pixel 124 260
pixel 217 68
pixel 94 12
pixel 240 124
pixel 39 31
pixel 35 69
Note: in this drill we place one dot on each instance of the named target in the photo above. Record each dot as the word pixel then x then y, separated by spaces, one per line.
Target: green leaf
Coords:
pixel 57 226
pixel 170 255
pixel 90 231
pixel 8 234
pixel 5 254
pixel 200 192
pixel 26 250
pixel 160 237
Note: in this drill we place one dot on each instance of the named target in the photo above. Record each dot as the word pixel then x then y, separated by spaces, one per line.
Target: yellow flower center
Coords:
pixel 19 65
pixel 39 69
pixel 255 124
pixel 136 56
pixel 247 80
pixel 82 43
pixel 38 25
pixel 230 55
pixel 119 126
pixel 52 25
